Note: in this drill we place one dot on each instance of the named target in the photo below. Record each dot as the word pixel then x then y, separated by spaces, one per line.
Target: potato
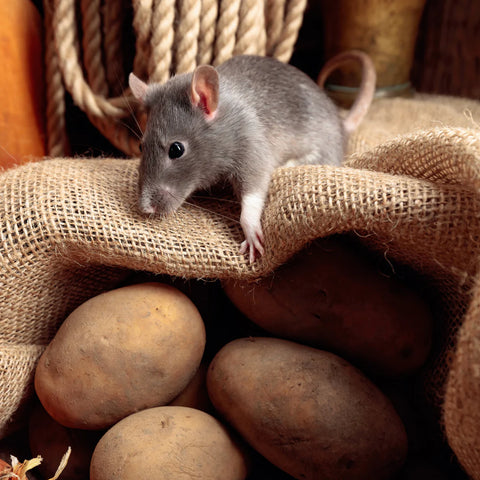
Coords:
pixel 123 351
pixel 51 440
pixel 195 394
pixel 166 443
pixel 332 296
pixel 307 411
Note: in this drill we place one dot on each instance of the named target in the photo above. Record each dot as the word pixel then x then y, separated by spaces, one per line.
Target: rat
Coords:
pixel 238 122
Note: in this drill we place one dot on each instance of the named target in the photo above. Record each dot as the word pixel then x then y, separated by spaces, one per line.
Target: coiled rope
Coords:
pixel 85 42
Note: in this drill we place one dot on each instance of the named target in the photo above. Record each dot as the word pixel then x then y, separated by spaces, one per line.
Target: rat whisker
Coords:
pixel 232 219
pixel 126 99
pixel 8 153
pixel 137 123
pixel 220 199
pixel 132 130
pixel 186 202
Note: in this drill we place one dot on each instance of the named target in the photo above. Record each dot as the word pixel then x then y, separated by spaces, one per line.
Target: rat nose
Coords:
pixel 155 200
pixel 147 208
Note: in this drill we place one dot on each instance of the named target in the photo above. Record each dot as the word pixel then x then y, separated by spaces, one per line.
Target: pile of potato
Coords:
pixel 141 386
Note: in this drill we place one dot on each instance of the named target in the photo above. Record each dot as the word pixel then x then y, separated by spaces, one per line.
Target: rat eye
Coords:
pixel 176 150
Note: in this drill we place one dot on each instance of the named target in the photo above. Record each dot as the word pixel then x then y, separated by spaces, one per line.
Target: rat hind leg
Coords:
pixel 318 145
pixel 332 157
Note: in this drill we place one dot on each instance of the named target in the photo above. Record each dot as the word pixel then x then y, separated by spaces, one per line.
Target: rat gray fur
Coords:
pixel 268 113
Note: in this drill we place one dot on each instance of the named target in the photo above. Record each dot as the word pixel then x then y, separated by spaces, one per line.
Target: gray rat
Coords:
pixel 239 122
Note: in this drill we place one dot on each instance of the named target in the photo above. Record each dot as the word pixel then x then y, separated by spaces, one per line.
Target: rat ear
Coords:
pixel 204 90
pixel 138 87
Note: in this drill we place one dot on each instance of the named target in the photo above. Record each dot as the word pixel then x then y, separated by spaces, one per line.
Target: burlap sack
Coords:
pixel 70 229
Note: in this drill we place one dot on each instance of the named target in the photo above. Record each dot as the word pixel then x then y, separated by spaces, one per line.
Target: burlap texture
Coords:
pixel 70 229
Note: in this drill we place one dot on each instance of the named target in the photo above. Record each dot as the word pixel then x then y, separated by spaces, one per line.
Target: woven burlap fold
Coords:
pixel 70 229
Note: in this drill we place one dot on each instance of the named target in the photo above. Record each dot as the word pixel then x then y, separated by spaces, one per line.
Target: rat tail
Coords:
pixel 366 91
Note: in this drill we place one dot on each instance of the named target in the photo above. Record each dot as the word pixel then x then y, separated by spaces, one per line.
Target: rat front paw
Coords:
pixel 253 245
pixel 252 207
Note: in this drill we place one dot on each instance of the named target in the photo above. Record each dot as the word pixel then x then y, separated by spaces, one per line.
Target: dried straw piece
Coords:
pixel 19 470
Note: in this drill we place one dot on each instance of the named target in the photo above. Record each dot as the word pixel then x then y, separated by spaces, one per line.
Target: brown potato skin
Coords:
pixel 332 296
pixel 122 351
pixel 166 443
pixel 307 411
pixel 195 394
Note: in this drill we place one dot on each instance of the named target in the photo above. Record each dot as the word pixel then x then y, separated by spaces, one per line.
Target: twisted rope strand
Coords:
pixel 226 30
pixel 142 24
pixel 275 13
pixel 262 38
pixel 162 39
pixel 187 35
pixel 92 46
pixel 206 38
pixel 293 21
pixel 55 92
pixel 114 20
pixel 251 25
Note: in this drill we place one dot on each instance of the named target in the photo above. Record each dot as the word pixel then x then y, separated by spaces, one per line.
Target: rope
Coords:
pixel 142 24
pixel 187 35
pixel 291 26
pixel 275 15
pixel 171 37
pixel 113 27
pixel 208 19
pixel 57 144
pixel 66 43
pixel 226 30
pixel 249 39
pixel 162 40
pixel 92 46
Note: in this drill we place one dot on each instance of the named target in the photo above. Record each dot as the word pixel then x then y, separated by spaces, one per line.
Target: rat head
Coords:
pixel 177 156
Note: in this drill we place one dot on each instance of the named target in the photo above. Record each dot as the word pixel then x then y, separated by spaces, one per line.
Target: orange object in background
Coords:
pixel 22 105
